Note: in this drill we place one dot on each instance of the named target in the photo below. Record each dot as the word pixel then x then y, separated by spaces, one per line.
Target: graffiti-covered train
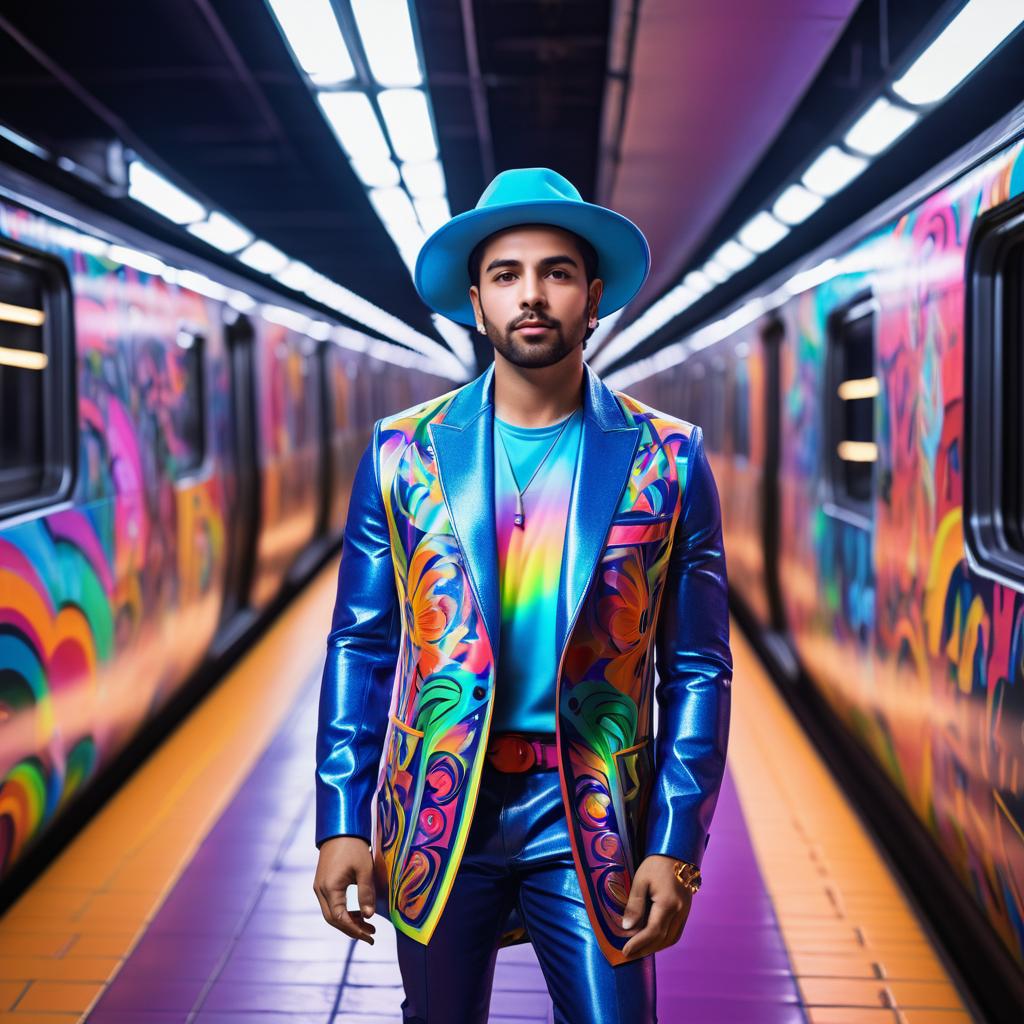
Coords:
pixel 176 446
pixel 864 415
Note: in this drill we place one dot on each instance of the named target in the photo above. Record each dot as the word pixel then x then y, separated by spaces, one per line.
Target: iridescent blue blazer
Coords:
pixel 407 689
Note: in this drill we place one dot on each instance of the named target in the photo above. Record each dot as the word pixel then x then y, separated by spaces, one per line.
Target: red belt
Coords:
pixel 517 752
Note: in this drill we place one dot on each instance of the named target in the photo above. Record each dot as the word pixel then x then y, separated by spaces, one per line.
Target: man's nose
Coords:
pixel 533 291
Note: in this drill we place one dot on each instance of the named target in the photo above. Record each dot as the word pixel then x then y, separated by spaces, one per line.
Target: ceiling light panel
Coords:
pixel 385 31
pixel 355 123
pixel 424 178
pixel 879 127
pixel 796 204
pixel 832 171
pixel 264 257
pixel 760 233
pixel 964 43
pixel 221 232
pixel 408 122
pixel 312 33
pixel 156 192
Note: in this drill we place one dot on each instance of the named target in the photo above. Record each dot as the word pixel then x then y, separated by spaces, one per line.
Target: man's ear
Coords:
pixel 474 297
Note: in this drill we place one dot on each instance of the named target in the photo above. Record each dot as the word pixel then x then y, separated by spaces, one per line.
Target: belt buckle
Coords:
pixel 513 753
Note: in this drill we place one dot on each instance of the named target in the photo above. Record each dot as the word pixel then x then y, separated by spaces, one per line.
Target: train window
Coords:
pixel 993 462
pixel 716 417
pixel 850 403
pixel 36 381
pixel 741 403
pixel 186 412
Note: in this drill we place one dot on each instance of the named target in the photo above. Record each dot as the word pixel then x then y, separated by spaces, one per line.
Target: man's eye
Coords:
pixel 504 273
pixel 562 272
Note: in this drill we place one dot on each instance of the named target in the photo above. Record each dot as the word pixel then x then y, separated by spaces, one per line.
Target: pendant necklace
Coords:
pixel 520 515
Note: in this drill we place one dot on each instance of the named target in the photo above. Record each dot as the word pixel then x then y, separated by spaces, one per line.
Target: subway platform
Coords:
pixel 188 898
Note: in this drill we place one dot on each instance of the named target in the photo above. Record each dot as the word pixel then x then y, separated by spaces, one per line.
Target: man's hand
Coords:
pixel 670 906
pixel 344 860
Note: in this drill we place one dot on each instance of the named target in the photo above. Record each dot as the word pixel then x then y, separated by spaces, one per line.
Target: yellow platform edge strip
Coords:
pixel 858 952
pixel 64 941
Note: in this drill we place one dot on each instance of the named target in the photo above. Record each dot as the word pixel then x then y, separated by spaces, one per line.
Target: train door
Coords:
pixel 850 456
pixel 244 511
pixel 772 337
pixel 328 424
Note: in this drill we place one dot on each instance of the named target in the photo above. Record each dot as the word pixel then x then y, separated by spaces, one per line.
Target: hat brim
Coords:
pixel 442 278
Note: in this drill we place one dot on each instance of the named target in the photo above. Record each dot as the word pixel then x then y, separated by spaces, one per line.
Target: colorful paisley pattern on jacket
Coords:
pixel 434 752
pixel 606 684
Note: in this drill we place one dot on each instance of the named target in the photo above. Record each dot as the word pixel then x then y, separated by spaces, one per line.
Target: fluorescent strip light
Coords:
pixel 221 232
pixel 857 451
pixel 139 260
pixel 296 275
pixel 714 271
pixel 355 124
pixel 964 44
pixel 23 359
pixel 858 387
pixel 423 179
pixel 832 171
pixel 386 34
pixel 285 317
pixel 698 282
pixel 19 140
pixel 804 280
pixel 156 192
pixel 433 212
pixel 457 337
pixel 733 255
pixel 202 284
pixel 393 206
pixel 796 204
pixel 264 257
pixel 408 122
pixel 760 233
pixel 312 32
pixel 240 301
pixel 879 126
pixel 376 173
pixel 21 315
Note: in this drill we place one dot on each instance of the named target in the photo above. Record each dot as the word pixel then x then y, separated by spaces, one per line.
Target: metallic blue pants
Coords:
pixel 518 851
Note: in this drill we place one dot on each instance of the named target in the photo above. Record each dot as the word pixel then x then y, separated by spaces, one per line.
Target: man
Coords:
pixel 519 553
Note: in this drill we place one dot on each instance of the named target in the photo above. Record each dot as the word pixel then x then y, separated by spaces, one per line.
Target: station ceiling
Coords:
pixel 661 109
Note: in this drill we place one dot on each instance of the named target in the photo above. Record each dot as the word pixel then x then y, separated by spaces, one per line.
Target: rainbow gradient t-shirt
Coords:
pixel 529 563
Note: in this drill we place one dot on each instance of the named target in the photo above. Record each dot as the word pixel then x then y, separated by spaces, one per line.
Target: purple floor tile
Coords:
pixel 241 937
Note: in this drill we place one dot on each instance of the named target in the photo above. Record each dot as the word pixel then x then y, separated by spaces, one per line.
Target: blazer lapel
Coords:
pixel 465 464
pixel 463 447
pixel 607 447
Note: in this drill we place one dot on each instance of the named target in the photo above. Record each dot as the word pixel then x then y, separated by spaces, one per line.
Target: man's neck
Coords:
pixel 537 397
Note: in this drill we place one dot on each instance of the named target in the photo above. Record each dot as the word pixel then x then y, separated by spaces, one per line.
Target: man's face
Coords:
pixel 533 299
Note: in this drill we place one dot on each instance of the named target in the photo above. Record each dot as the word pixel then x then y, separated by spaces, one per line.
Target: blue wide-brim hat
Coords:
pixel 530 195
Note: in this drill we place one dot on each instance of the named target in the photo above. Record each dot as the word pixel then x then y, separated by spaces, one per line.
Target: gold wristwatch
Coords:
pixel 688 874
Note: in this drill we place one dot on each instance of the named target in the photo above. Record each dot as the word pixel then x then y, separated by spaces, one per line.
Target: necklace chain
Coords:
pixel 520 516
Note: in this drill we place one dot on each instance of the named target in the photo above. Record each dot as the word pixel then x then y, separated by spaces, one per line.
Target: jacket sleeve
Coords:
pixel 362 654
pixel 694 664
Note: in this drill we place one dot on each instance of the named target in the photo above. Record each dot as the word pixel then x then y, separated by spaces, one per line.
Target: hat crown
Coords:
pixel 528 185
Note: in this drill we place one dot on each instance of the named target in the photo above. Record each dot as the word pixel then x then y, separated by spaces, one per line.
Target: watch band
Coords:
pixel 688 874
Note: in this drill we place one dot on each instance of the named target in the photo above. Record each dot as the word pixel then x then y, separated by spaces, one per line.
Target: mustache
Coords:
pixel 533 322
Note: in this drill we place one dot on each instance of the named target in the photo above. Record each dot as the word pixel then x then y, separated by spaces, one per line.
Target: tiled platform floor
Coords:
pixel 188 900
pixel 242 933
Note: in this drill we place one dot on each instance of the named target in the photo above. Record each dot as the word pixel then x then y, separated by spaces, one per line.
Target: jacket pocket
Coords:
pixel 634 773
pixel 397 794
pixel 625 532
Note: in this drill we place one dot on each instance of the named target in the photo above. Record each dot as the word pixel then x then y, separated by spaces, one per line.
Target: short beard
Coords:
pixel 521 352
